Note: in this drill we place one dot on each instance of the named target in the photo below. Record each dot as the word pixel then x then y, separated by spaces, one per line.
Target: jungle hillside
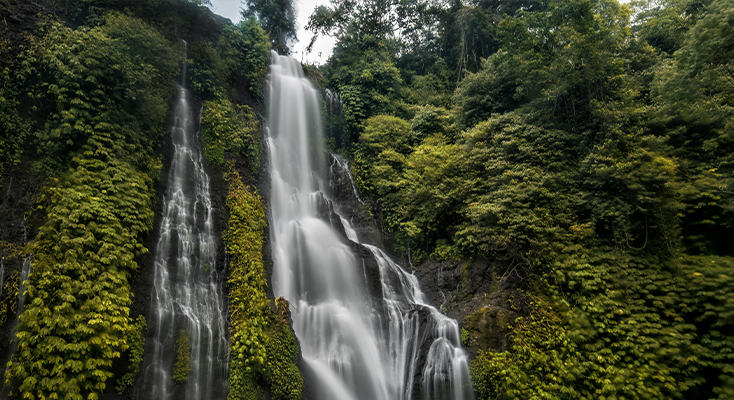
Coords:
pixel 571 162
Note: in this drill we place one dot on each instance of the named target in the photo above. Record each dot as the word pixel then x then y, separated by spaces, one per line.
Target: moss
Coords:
pixel 264 348
pixel 183 363
pixel 488 328
pixel 230 129
pixel 281 347
pixel 136 345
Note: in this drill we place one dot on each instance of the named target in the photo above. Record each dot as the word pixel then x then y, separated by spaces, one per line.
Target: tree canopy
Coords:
pixel 586 146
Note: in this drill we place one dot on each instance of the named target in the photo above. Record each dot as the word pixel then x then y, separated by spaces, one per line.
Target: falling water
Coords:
pixel 25 270
pixel 187 284
pixel 355 346
pixel 333 102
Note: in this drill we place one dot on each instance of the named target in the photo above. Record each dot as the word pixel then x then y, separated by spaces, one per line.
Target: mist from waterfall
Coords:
pixel 354 346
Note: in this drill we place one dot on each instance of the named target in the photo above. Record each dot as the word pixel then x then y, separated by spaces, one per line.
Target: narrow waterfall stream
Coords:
pixel 187 294
pixel 354 345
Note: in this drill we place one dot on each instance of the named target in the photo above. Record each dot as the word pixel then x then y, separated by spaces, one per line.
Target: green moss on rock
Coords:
pixel 183 362
pixel 136 346
pixel 264 348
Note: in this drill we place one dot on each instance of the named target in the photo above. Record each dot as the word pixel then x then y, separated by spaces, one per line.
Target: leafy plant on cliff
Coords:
pixel 106 89
pixel 245 48
pixel 9 305
pixel 230 130
pixel 249 311
pixel 281 348
pixel 263 348
pixel 136 345
pixel 182 365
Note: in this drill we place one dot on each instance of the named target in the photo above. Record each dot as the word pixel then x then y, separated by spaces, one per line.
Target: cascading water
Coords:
pixel 187 283
pixel 355 346
pixel 25 270
pixel 333 102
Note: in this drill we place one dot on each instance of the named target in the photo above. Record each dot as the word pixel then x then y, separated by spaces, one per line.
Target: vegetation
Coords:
pixel 263 345
pixel 230 129
pixel 249 310
pixel 245 49
pixel 584 144
pixel 136 342
pixel 9 305
pixel 278 19
pixel 106 88
pixel 182 365
pixel 83 102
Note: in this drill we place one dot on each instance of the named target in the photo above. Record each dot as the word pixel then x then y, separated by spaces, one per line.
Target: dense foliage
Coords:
pixel 264 347
pixel 136 345
pixel 278 19
pixel 229 129
pixel 587 146
pixel 107 88
pixel 83 102
pixel 238 58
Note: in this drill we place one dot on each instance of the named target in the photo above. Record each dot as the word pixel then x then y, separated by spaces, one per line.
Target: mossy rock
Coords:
pixel 488 328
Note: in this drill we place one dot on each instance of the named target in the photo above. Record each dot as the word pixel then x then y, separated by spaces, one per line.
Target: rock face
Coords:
pixel 478 296
pixel 351 206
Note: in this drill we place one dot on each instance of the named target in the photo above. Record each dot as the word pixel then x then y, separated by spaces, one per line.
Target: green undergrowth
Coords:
pixel 9 305
pixel 637 328
pixel 238 59
pixel 282 350
pixel 230 129
pixel 105 90
pixel 264 351
pixel 136 342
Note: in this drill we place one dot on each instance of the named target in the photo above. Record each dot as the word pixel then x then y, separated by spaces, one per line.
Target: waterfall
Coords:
pixel 187 293
pixel 333 102
pixel 25 270
pixel 355 346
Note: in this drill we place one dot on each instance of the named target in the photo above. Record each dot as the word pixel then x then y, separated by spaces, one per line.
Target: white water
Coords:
pixel 25 270
pixel 333 102
pixel 187 283
pixel 356 347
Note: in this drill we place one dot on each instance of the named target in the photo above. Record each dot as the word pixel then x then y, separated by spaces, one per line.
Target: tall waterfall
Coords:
pixel 187 290
pixel 355 346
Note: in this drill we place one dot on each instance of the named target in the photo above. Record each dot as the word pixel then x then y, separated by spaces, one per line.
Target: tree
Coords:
pixel 664 23
pixel 277 17
pixel 695 95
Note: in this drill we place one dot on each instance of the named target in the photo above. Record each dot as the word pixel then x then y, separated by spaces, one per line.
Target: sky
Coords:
pixel 322 48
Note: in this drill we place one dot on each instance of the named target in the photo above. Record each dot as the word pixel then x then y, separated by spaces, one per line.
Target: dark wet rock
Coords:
pixel 350 206
pixel 481 295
